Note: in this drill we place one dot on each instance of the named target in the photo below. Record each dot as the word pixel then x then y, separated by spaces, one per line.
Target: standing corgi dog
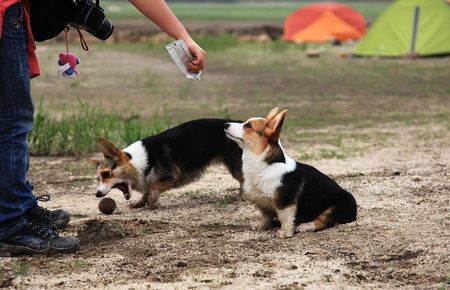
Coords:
pixel 167 160
pixel 300 196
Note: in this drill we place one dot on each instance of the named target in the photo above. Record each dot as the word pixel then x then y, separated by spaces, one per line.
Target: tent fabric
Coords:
pixel 322 22
pixel 393 33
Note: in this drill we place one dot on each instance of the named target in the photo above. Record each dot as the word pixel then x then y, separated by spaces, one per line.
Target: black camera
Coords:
pixel 90 17
pixel 50 17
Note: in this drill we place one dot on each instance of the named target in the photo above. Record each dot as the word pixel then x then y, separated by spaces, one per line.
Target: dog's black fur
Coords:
pixel 174 158
pixel 314 193
pixel 182 153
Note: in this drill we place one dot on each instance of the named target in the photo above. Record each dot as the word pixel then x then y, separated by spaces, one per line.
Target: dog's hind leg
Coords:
pixel 236 172
pixel 234 166
pixel 323 221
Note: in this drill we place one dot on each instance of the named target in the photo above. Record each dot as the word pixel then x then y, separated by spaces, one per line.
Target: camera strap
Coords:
pixel 83 42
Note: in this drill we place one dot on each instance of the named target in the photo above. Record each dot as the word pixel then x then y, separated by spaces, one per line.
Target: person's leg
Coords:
pixel 16 120
pixel 25 228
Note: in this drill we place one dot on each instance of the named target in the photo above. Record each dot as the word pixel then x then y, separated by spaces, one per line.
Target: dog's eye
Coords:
pixel 105 174
pixel 248 125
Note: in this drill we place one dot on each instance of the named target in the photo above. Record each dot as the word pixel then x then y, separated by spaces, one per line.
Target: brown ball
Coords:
pixel 107 205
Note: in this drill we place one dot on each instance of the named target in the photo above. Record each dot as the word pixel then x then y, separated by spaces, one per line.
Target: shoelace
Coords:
pixel 44 225
pixel 42 229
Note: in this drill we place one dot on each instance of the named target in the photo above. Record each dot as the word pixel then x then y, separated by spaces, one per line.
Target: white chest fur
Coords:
pixel 261 178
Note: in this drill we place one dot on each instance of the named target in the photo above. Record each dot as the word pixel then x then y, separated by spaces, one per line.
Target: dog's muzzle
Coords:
pixel 99 194
pixel 102 190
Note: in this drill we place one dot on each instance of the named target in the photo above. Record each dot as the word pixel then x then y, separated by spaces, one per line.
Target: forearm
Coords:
pixel 159 13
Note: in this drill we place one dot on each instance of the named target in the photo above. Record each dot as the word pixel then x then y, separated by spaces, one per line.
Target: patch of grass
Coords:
pixel 281 45
pixel 222 109
pixel 227 200
pixel 77 133
pixel 236 10
pixel 304 156
pixel 220 42
pixel 336 143
pixel 78 264
pixel 119 227
pixel 21 269
pixel 331 154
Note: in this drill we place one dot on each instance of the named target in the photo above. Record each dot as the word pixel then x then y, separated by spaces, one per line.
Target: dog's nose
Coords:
pixel 98 194
pixel 226 125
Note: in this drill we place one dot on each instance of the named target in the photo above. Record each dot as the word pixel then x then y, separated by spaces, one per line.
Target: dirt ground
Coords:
pixel 393 143
pixel 200 237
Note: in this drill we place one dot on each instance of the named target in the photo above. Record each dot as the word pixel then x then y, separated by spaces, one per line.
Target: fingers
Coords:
pixel 198 63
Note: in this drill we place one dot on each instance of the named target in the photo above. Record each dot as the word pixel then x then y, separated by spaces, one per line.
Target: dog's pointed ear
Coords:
pixel 95 162
pixel 275 125
pixel 109 149
pixel 272 113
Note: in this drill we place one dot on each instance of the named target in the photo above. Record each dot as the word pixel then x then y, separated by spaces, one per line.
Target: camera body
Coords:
pixel 50 17
pixel 90 17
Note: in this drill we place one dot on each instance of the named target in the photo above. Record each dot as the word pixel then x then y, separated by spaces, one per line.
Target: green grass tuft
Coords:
pixel 21 269
pixel 226 200
pixel 77 133
pixel 79 264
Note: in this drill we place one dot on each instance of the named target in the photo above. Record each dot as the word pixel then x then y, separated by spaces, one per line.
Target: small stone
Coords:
pixel 294 267
pixel 416 178
pixel 181 264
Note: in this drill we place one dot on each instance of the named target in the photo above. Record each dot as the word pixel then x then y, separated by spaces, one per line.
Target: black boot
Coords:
pixel 60 218
pixel 38 237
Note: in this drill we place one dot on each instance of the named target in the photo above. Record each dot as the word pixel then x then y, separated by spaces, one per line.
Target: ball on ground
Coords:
pixel 107 205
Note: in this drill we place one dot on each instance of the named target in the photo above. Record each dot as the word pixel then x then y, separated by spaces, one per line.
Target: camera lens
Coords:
pixel 92 19
pixel 104 31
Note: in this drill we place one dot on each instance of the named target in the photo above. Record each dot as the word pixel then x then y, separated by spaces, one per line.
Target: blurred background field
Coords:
pixel 135 83
pixel 236 10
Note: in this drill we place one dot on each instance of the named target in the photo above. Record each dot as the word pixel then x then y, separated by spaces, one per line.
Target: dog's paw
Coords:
pixel 283 234
pixel 305 227
pixel 137 204
pixel 261 226
pixel 153 205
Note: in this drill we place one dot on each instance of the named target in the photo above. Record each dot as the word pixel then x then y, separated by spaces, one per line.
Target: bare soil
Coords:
pixel 396 164
pixel 200 237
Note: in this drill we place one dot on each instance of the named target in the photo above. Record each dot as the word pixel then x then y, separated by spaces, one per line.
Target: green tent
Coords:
pixel 409 27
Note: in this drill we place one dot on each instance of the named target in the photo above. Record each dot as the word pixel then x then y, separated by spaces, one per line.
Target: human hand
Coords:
pixel 198 63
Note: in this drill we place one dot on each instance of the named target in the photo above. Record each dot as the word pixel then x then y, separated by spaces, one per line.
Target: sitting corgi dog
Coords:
pixel 167 160
pixel 300 196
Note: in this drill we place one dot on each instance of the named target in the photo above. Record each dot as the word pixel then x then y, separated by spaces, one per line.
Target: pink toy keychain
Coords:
pixel 68 61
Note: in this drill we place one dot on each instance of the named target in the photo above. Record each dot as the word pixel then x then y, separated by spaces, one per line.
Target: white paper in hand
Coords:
pixel 181 56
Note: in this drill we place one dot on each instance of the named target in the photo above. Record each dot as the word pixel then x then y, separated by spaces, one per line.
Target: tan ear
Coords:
pixel 272 113
pixel 274 126
pixel 109 149
pixel 95 162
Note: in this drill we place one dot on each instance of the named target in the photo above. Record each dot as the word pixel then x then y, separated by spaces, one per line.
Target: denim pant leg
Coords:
pixel 16 121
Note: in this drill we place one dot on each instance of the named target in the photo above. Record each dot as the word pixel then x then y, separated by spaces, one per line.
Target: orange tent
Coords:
pixel 324 21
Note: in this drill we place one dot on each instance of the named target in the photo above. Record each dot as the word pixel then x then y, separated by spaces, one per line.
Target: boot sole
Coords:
pixel 15 250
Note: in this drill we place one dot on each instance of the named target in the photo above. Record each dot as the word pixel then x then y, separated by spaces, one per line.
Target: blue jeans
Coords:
pixel 16 121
